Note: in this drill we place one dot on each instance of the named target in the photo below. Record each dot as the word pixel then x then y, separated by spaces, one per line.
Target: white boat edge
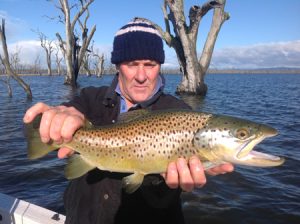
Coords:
pixel 16 211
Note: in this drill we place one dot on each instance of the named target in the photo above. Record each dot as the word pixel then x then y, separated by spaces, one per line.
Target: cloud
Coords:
pixel 29 51
pixel 264 55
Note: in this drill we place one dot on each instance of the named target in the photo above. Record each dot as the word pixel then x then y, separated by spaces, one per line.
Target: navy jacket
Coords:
pixel 97 197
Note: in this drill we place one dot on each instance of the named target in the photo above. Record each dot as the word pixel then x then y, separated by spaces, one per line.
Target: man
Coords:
pixel 97 197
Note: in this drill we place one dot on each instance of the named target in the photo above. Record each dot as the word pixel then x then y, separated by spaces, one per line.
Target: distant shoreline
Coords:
pixel 254 71
pixel 210 71
pixel 242 71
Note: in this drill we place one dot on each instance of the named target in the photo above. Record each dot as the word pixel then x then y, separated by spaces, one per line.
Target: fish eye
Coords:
pixel 242 133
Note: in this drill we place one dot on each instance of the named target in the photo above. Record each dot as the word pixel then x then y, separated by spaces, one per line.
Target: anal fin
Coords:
pixel 132 182
pixel 208 164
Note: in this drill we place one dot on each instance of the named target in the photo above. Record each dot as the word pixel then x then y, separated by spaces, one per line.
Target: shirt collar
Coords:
pixel 123 108
pixel 111 94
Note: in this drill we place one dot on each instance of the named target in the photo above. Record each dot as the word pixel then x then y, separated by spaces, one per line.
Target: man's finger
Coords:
pixel 185 179
pixel 172 176
pixel 222 169
pixel 64 152
pixel 33 111
pixel 197 171
pixel 70 125
pixel 45 125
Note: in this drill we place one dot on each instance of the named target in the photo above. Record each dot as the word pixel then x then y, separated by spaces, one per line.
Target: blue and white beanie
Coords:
pixel 137 40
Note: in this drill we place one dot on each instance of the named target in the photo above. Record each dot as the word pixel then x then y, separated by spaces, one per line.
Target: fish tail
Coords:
pixel 35 147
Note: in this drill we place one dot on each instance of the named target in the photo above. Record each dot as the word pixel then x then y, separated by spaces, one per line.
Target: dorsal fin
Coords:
pixel 132 115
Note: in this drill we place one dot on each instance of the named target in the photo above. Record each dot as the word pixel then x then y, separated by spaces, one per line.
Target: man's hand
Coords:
pixel 58 124
pixel 190 174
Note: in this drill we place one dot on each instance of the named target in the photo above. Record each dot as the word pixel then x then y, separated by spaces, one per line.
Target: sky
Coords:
pixel 259 33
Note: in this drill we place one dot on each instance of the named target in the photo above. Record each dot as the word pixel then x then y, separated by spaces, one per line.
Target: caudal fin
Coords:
pixel 35 147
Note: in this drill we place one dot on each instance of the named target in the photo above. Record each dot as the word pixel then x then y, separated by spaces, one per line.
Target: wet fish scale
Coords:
pixel 141 141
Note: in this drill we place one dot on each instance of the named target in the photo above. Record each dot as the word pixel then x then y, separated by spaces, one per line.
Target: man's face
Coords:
pixel 137 80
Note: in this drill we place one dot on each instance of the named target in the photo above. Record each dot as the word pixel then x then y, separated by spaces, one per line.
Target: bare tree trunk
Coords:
pixel 100 66
pixel 73 53
pixel 86 65
pixel 7 81
pixel 58 64
pixel 6 63
pixel 185 37
pixel 37 65
pixel 47 46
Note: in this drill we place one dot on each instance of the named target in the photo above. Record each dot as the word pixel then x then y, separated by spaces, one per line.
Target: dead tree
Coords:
pixel 99 65
pixel 48 47
pixel 86 64
pixel 6 81
pixel 73 52
pixel 97 61
pixel 58 59
pixel 15 59
pixel 5 61
pixel 184 38
pixel 37 65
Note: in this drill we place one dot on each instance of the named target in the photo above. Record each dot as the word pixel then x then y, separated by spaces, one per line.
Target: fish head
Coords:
pixel 231 139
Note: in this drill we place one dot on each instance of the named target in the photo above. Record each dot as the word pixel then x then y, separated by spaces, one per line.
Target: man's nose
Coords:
pixel 141 74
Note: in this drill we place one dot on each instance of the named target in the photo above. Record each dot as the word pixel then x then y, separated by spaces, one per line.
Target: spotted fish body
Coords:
pixel 148 141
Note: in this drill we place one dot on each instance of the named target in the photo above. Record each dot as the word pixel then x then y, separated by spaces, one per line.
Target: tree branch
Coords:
pixel 219 18
pixel 61 44
pixel 82 10
pixel 196 13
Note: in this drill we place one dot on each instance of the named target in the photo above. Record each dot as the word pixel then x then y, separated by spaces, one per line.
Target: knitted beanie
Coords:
pixel 137 40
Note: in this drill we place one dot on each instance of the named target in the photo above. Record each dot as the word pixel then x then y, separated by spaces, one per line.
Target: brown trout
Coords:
pixel 145 142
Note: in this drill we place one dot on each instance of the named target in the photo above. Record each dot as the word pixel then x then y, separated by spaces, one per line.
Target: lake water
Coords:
pixel 248 195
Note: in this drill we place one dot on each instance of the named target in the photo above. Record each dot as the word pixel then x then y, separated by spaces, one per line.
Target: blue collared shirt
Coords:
pixel 123 107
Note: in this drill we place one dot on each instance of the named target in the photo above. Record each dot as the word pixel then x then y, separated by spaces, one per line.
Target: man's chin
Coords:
pixel 141 98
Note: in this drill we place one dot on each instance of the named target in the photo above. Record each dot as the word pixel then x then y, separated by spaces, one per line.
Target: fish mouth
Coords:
pixel 246 154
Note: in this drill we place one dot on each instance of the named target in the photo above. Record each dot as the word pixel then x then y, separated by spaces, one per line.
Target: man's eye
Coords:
pixel 131 65
pixel 150 65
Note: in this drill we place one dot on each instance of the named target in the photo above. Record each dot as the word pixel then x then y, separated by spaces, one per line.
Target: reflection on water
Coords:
pixel 248 195
pixel 195 102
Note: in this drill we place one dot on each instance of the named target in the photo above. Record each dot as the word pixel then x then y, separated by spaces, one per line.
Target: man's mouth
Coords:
pixel 140 87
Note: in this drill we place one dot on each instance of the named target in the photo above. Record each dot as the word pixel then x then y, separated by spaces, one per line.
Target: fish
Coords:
pixel 144 142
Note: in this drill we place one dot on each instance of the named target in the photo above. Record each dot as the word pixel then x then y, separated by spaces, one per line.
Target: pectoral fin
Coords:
pixel 132 182
pixel 208 164
pixel 77 166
